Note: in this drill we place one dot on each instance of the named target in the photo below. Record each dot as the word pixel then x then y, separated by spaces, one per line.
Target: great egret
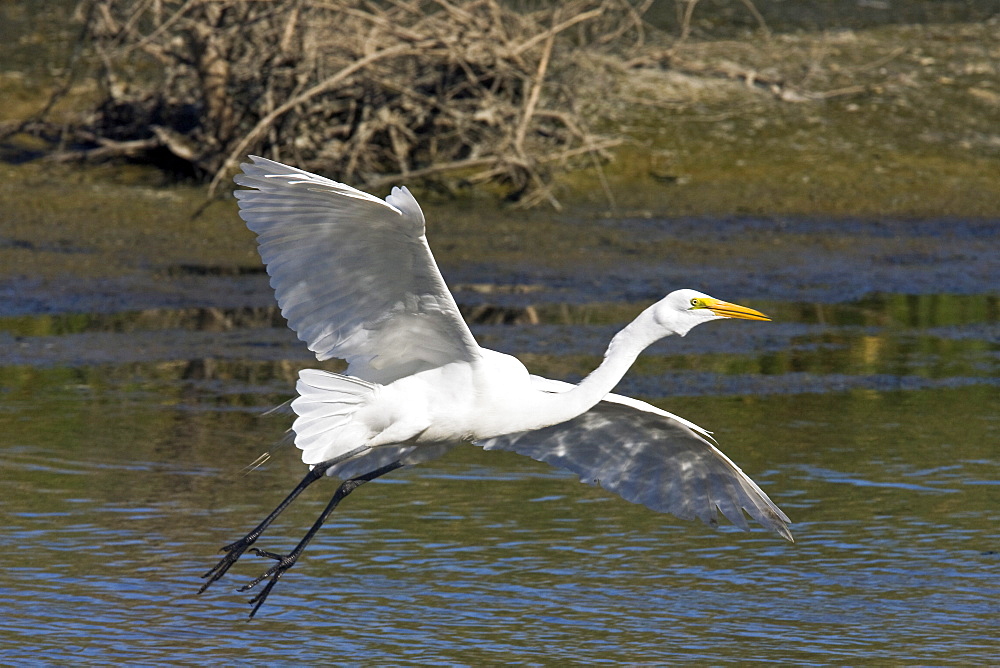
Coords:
pixel 356 280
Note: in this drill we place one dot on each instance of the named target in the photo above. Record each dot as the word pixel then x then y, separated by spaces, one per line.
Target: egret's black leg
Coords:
pixel 236 549
pixel 273 574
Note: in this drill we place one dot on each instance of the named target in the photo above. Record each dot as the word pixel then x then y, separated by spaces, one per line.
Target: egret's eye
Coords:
pixel 694 302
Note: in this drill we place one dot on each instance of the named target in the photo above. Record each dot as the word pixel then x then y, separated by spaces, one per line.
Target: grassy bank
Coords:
pixel 900 121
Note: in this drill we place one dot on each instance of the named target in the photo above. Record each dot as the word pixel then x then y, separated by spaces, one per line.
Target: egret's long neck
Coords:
pixel 621 353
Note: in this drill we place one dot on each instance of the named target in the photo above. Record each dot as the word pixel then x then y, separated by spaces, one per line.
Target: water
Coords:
pixel 871 419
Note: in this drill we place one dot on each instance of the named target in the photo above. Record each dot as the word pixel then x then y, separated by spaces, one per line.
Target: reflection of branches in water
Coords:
pixel 364 92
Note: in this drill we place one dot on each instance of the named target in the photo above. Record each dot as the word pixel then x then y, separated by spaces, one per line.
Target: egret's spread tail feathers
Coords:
pixel 326 425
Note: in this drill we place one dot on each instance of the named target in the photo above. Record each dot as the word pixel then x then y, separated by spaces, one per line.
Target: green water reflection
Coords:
pixel 122 479
pixel 116 503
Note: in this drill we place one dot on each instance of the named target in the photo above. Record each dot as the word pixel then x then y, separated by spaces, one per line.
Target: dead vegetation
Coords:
pixel 451 92
pixel 365 92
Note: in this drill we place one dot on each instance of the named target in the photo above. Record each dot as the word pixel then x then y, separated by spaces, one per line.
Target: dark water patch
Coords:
pixel 805 261
pixel 693 383
pixel 593 339
pixel 750 365
pixel 736 229
pixel 160 345
pixel 62 246
pixel 240 356
pixel 213 270
pixel 71 295
pixel 797 277
pixel 211 319
pixel 983 332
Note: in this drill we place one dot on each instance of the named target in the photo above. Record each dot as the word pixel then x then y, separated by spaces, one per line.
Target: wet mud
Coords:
pixel 878 305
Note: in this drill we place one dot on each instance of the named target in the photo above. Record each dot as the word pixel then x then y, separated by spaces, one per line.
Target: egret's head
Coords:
pixel 683 309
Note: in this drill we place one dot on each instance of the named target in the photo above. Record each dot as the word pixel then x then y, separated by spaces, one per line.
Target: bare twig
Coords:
pixel 356 89
pixel 327 84
pixel 761 23
pixel 532 101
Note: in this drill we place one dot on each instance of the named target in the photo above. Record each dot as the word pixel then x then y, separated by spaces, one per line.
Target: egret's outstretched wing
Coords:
pixel 353 274
pixel 651 457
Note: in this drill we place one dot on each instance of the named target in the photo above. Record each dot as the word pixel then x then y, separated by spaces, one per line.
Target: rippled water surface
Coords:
pixel 868 410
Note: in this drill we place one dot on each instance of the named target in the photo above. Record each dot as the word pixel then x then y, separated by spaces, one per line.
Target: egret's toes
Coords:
pixel 274 572
pixel 233 552
pixel 272 575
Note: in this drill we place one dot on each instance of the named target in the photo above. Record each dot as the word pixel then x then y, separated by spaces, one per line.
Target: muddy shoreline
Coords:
pixel 890 187
pixel 628 261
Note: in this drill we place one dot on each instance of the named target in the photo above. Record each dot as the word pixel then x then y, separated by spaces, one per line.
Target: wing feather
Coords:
pixel 352 273
pixel 648 456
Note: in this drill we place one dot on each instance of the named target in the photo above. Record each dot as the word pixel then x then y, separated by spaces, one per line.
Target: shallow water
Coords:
pixel 871 419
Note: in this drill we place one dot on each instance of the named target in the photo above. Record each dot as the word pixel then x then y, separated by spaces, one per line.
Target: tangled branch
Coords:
pixel 363 91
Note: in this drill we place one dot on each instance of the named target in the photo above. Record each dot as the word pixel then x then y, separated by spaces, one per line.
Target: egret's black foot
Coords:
pixel 272 575
pixel 285 561
pixel 233 552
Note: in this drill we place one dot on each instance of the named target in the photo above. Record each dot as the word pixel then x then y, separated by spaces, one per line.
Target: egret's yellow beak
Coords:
pixel 728 310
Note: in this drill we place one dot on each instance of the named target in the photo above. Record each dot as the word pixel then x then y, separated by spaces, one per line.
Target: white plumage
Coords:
pixel 355 278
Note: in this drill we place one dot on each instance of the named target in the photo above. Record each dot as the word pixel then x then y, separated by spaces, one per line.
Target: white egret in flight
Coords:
pixel 355 278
